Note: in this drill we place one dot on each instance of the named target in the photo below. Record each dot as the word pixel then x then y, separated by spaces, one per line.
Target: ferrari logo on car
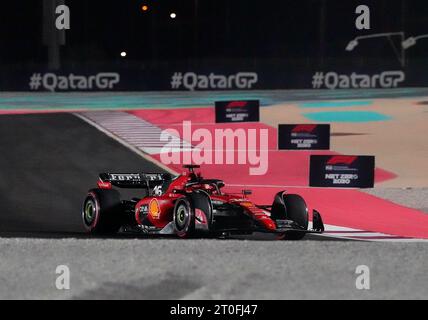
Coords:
pixel 247 204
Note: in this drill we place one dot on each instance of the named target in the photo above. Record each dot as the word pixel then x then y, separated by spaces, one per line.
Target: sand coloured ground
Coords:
pixel 400 144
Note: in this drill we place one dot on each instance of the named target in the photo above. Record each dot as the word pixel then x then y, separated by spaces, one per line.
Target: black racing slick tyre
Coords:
pixel 297 211
pixel 204 217
pixel 101 212
pixel 184 219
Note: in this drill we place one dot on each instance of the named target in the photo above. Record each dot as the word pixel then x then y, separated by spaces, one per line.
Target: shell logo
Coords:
pixel 154 209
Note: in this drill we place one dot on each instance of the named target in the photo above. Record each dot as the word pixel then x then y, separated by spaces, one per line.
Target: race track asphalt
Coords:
pixel 210 269
pixel 47 164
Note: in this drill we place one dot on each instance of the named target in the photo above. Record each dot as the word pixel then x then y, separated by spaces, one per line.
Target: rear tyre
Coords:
pixel 297 211
pixel 184 219
pixel 101 212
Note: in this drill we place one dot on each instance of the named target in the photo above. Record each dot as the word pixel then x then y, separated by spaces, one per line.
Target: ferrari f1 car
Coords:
pixel 190 206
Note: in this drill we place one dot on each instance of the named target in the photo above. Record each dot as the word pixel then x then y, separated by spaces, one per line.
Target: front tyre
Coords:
pixel 204 217
pixel 297 211
pixel 184 219
pixel 101 212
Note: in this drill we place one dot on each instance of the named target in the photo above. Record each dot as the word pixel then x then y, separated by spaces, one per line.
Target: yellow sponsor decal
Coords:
pixel 154 209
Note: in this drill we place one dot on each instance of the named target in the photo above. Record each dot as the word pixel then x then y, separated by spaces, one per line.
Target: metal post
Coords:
pixel 52 37
pixel 403 27
pixel 322 32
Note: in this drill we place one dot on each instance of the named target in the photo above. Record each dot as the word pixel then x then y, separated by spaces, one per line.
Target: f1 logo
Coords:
pixel 304 128
pixel 341 160
pixel 237 104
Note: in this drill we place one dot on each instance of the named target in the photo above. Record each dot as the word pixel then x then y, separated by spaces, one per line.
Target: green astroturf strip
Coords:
pixel 335 104
pixel 346 116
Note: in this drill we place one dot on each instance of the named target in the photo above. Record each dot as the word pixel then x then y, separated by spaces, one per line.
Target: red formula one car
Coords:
pixel 191 206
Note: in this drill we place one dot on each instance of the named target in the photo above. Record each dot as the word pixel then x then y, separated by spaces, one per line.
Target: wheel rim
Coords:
pixel 89 213
pixel 181 217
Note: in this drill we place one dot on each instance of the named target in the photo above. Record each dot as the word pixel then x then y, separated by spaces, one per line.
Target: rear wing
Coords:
pixel 135 180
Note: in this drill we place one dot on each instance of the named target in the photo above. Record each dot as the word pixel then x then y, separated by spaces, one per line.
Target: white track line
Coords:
pixel 125 144
pixel 333 231
pixel 139 134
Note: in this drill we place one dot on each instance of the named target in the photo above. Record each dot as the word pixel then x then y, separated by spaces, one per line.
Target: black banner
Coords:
pixel 342 171
pixel 219 78
pixel 237 111
pixel 189 309
pixel 304 137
